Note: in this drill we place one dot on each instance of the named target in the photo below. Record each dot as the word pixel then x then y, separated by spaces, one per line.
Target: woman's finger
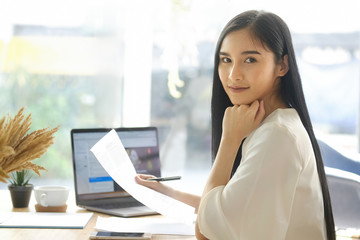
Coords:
pixel 260 114
pixel 144 176
pixel 142 180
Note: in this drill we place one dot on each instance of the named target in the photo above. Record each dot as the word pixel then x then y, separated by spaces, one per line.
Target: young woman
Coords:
pixel 267 179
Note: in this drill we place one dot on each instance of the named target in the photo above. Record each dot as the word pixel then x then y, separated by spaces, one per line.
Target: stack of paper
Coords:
pixel 44 220
pixel 153 225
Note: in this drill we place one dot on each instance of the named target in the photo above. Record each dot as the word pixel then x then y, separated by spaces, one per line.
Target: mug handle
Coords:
pixel 43 200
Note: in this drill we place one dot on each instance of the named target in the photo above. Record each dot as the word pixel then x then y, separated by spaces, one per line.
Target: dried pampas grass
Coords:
pixel 17 148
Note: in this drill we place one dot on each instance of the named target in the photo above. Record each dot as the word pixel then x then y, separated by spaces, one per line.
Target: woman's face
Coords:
pixel 248 71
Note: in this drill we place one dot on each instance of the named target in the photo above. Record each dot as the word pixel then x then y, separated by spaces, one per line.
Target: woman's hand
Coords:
pixel 157 186
pixel 240 121
pixel 187 198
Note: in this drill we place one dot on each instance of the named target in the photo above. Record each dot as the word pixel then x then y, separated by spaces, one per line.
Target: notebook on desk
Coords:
pixel 95 190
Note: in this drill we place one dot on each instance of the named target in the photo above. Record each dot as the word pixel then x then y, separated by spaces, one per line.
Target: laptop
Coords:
pixel 95 190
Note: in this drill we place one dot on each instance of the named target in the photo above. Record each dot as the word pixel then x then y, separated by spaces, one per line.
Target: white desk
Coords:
pixel 54 234
pixel 73 234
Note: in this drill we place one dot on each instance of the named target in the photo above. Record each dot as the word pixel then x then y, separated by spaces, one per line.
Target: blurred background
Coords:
pixel 117 63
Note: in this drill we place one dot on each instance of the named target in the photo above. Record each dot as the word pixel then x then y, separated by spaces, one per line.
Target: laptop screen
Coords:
pixel 91 180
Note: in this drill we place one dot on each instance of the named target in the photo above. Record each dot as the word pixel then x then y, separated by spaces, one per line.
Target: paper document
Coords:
pixel 113 157
pixel 44 220
pixel 153 225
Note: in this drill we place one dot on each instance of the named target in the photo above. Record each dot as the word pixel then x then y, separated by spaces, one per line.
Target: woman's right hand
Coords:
pixel 240 120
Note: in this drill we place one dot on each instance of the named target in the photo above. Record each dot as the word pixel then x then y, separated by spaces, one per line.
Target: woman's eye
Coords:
pixel 250 60
pixel 225 59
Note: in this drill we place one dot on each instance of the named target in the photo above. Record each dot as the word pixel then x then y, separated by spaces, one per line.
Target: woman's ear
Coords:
pixel 283 66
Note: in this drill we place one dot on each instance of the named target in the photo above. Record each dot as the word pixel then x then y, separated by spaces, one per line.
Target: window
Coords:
pixel 137 63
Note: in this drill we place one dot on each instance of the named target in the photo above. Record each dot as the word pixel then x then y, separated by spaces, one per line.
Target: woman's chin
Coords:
pixel 238 103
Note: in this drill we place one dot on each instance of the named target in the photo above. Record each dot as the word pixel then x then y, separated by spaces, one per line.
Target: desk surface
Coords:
pixel 77 234
pixel 73 234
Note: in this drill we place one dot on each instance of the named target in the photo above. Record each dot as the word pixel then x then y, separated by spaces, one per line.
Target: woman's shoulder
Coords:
pixel 284 119
pixel 281 132
pixel 281 122
pixel 282 115
pixel 282 127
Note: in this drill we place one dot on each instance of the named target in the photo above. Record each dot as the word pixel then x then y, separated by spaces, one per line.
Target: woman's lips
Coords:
pixel 238 89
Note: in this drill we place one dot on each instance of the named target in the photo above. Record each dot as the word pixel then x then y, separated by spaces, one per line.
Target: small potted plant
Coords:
pixel 17 149
pixel 20 189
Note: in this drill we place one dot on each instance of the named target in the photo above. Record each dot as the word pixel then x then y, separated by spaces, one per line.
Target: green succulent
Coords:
pixel 20 178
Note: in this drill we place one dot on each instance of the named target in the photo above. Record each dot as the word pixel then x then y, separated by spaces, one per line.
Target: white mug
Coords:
pixel 51 196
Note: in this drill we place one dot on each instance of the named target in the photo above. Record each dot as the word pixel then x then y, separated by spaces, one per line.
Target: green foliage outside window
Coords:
pixel 52 100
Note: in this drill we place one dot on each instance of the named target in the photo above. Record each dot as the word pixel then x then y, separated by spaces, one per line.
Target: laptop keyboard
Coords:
pixel 119 205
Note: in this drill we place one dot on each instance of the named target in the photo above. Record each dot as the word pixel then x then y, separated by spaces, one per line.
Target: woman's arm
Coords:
pixel 238 122
pixel 187 198
pixel 198 234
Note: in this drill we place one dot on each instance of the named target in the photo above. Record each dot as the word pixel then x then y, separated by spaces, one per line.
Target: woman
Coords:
pixel 268 179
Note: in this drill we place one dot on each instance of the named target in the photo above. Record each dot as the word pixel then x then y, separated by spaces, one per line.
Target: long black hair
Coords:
pixel 273 32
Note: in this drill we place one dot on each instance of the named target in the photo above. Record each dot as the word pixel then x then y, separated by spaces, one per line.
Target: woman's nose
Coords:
pixel 235 72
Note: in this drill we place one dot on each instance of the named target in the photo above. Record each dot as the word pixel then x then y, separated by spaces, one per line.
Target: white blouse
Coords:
pixel 275 193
